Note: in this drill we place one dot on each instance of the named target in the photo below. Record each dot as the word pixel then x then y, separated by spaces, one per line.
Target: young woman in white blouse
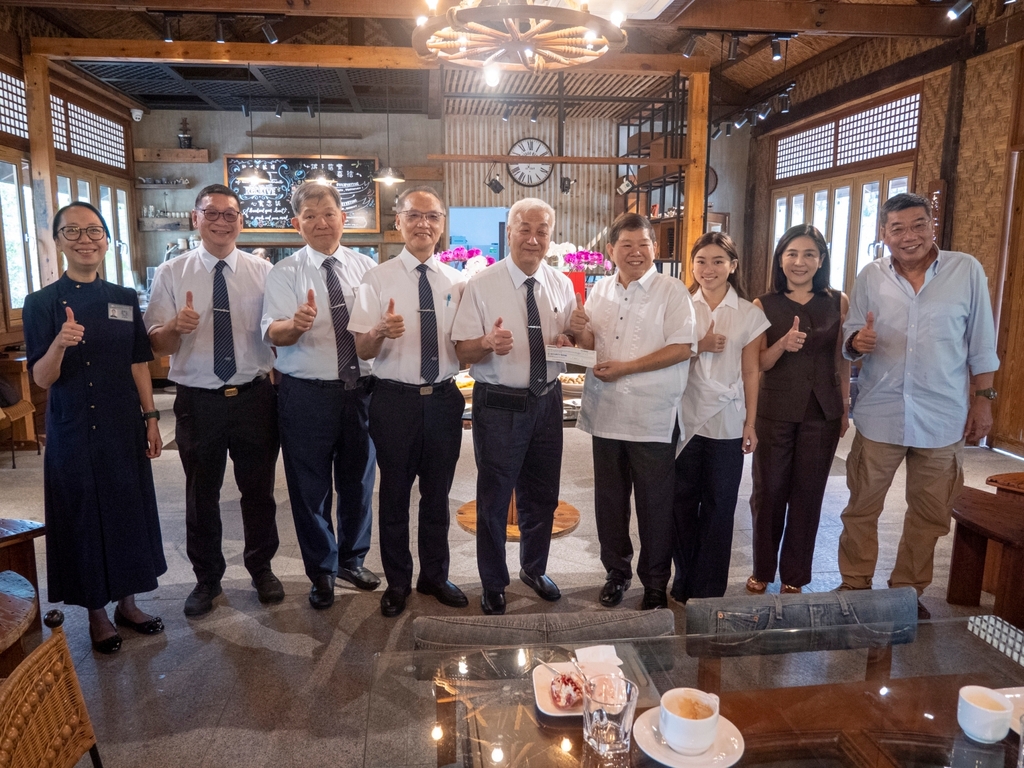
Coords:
pixel 717 418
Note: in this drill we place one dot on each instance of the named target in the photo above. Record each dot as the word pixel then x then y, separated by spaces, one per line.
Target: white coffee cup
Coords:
pixel 688 720
pixel 984 714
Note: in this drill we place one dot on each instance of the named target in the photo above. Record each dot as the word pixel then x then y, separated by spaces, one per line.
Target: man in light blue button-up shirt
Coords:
pixel 920 323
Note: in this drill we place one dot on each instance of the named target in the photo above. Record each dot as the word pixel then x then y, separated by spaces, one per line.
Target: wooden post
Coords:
pixel 694 187
pixel 43 162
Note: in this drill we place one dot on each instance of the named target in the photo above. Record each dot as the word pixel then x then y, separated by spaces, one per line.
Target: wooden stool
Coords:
pixel 18 608
pixel 982 517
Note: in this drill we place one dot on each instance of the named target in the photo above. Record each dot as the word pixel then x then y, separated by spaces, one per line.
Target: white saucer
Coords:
pixel 726 750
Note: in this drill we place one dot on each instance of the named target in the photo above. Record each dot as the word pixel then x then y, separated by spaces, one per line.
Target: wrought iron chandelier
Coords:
pixel 528 36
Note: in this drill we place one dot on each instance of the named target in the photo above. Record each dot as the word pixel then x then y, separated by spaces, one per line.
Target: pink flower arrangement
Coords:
pixel 580 261
pixel 461 254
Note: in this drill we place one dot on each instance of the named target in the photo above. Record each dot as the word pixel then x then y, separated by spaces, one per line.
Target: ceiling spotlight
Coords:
pixel 776 49
pixel 565 184
pixel 959 9
pixel 168 37
pixel 492 75
pixel 536 115
pixel 421 20
pixel 764 111
pixel 280 109
pixel 728 130
pixel 310 111
pixel 616 18
pixel 432 5
pixel 784 103
pixel 507 113
pixel 220 29
pixel 740 121
pixel 717 132
pixel 496 186
pixel 734 46
pixel 690 47
pixel 245 110
pixel 269 33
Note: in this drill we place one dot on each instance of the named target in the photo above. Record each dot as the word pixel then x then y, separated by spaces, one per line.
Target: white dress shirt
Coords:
pixel 397 278
pixel 500 291
pixel 314 355
pixel 245 277
pixel 629 323
pixel 713 403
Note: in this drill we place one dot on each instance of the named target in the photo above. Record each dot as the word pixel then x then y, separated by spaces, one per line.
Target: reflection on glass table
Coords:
pixel 868 705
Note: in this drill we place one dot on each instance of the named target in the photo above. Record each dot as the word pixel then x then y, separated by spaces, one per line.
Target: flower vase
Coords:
pixel 579 284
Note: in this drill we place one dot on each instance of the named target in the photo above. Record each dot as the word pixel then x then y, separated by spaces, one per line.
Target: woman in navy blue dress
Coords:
pixel 88 345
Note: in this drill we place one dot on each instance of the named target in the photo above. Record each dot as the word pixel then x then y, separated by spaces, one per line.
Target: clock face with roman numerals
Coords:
pixel 529 174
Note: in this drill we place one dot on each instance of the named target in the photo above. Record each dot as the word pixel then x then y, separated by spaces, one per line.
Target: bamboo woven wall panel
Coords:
pixel 934 106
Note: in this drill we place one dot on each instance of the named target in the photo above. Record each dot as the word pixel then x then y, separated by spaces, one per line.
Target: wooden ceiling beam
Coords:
pixel 344 56
pixel 392 9
pixel 819 18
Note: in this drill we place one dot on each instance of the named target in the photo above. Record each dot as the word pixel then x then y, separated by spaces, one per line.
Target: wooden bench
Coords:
pixel 18 550
pixel 982 517
pixel 1007 483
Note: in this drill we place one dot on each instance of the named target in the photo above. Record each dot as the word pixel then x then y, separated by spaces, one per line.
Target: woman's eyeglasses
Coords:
pixel 74 233
pixel 211 214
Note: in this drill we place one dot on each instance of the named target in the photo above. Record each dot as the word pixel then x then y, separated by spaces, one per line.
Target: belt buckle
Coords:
pixel 230 391
pixel 427 390
pixel 350 385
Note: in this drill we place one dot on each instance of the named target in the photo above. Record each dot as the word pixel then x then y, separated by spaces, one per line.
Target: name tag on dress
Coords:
pixel 119 312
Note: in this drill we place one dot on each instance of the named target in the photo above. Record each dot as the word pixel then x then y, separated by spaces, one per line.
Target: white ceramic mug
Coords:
pixel 688 720
pixel 984 714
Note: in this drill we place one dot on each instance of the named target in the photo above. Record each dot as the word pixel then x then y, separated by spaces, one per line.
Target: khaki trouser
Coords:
pixel 935 478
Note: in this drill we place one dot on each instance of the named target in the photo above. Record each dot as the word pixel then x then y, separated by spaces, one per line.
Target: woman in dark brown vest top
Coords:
pixel 802 408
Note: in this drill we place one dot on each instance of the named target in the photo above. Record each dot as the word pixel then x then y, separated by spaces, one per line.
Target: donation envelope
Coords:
pixel 585 357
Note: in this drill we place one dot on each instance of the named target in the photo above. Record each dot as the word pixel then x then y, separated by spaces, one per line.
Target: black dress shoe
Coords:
pixel 445 592
pixel 361 577
pixel 200 600
pixel 653 598
pixel 392 602
pixel 612 591
pixel 108 646
pixel 268 587
pixel 542 585
pixel 923 614
pixel 493 603
pixel 321 594
pixel 153 626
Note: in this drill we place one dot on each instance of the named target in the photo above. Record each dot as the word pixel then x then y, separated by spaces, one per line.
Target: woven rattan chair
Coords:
pixel 42 712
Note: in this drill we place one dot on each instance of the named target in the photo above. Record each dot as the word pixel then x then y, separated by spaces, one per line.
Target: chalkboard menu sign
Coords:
pixel 265 205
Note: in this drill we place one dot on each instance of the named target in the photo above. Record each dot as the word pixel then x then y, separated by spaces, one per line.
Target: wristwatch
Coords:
pixel 849 345
pixel 147 415
pixel 989 393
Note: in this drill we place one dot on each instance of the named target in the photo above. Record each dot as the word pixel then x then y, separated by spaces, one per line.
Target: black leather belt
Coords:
pixel 229 390
pixel 513 391
pixel 362 381
pixel 415 389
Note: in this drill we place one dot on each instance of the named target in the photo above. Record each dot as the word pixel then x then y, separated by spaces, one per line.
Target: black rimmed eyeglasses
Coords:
pixel 74 233
pixel 211 214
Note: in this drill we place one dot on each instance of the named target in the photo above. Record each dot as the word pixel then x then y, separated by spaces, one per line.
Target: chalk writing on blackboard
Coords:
pixel 265 205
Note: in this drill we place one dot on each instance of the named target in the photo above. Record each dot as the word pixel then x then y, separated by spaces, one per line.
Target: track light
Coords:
pixel 784 103
pixel 536 115
pixel 959 9
pixel 565 184
pixel 734 46
pixel 717 132
pixel 690 47
pixel 245 110
pixel 764 111
pixel 279 110
pixel 268 31
pixel 740 121
pixel 168 37
pixel 507 113
pixel 496 186
pixel 776 49
pixel 310 111
pixel 728 130
pixel 220 29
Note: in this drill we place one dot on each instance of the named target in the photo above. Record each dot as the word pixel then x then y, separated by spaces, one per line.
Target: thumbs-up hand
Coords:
pixel 187 319
pixel 71 332
pixel 306 313
pixel 499 340
pixel 867 337
pixel 794 340
pixel 391 326
pixel 712 342
pixel 579 318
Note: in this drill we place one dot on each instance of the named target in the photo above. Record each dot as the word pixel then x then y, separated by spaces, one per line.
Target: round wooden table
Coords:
pixel 567 518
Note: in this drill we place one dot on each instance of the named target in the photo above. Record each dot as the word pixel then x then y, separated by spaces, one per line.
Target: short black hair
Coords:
pixel 59 215
pixel 901 202
pixel 821 278
pixel 630 222
pixel 217 189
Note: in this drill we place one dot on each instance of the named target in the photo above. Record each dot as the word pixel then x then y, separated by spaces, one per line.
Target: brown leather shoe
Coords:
pixel 790 590
pixel 756 587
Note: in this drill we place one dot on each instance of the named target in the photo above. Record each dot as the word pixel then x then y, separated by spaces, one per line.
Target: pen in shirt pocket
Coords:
pixel 448 300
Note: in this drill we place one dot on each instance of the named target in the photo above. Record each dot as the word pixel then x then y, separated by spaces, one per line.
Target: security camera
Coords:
pixel 137 115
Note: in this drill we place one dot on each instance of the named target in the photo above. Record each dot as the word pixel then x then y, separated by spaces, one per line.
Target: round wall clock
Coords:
pixel 529 174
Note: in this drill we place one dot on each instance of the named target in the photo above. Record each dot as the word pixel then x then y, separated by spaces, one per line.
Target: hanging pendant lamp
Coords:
pixel 254 174
pixel 388 175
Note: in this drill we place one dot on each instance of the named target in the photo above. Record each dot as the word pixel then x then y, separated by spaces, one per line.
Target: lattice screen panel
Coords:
pixel 883 130
pixel 59 123
pixel 96 137
pixel 806 152
pixel 13 113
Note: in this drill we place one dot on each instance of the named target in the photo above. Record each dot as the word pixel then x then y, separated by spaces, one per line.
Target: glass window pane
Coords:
pixel 798 210
pixel 33 246
pixel 84 191
pixel 63 191
pixel 127 276
pixel 820 220
pixel 780 220
pixel 868 224
pixel 898 186
pixel 107 209
pixel 14 235
pixel 840 233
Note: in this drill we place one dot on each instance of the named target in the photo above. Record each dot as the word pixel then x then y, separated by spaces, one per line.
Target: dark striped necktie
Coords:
pixel 538 365
pixel 429 366
pixel 223 341
pixel 348 363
